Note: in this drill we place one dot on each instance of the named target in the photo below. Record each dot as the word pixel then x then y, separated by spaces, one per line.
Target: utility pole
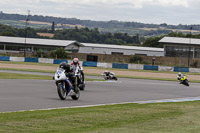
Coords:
pixel 27 19
pixel 189 47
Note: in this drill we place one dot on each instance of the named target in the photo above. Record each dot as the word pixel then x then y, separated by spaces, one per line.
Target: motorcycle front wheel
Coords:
pixel 76 95
pixel 61 92
pixel 76 90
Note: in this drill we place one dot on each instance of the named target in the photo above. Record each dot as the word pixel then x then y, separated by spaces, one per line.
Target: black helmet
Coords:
pixel 64 66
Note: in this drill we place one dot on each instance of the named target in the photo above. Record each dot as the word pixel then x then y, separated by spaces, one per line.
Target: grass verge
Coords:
pixel 28 63
pixel 119 76
pixel 30 76
pixel 28 70
pixel 100 68
pixel 23 76
pixel 126 118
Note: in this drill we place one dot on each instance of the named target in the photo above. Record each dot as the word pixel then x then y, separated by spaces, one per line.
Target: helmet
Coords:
pixel 179 74
pixel 64 66
pixel 75 61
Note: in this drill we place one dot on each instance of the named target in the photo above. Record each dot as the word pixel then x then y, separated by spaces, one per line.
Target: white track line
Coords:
pixel 139 102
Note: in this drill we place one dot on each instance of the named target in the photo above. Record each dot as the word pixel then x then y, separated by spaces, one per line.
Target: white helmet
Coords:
pixel 179 74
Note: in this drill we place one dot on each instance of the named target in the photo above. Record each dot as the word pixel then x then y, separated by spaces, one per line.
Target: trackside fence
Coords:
pixel 104 65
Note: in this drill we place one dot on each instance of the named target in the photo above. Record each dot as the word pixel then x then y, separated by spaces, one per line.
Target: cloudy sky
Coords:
pixel 146 11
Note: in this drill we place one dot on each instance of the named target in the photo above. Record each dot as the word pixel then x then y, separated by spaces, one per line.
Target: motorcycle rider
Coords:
pixel 69 72
pixel 76 63
pixel 181 77
pixel 109 74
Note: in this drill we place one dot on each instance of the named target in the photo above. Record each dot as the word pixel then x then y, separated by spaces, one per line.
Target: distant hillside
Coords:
pixel 132 28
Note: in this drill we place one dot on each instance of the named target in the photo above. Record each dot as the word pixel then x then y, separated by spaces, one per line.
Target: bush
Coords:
pixel 40 54
pixel 59 53
pixel 194 64
pixel 136 59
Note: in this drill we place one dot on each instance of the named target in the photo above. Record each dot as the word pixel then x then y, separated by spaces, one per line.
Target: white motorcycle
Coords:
pixel 64 86
pixel 109 75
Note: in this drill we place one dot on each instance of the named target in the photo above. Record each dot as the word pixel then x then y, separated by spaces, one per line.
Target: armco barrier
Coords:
pixel 181 69
pixel 4 58
pixel 122 66
pixel 148 67
pixel 31 59
pixel 59 61
pixel 19 59
pixel 45 60
pixel 90 64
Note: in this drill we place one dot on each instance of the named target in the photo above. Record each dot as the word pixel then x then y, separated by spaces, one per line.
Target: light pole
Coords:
pixel 189 47
pixel 27 19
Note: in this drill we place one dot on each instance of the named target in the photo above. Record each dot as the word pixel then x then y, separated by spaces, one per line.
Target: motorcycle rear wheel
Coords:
pixel 61 92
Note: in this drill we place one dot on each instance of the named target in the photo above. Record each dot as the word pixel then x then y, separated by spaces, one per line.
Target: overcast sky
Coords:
pixel 146 11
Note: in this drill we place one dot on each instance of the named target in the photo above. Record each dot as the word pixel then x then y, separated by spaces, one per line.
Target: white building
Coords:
pixel 17 44
pixel 88 48
pixel 181 47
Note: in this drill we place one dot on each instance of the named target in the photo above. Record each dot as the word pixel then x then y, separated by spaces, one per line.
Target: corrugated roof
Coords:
pixel 122 47
pixel 178 40
pixel 64 43
pixel 35 41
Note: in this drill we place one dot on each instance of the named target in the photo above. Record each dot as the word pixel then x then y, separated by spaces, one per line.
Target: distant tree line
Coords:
pixel 94 36
pixel 90 36
pixel 15 32
pixel 82 35
pixel 95 24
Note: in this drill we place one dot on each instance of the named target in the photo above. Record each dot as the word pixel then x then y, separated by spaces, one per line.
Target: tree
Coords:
pixel 53 27
pixel 59 53
pixel 40 53
pixel 136 59
pixel 153 42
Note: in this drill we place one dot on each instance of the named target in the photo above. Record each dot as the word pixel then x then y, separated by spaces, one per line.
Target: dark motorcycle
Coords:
pixel 109 76
pixel 79 78
pixel 183 80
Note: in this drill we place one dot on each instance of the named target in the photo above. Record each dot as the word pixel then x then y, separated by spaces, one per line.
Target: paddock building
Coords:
pixel 181 47
pixel 18 44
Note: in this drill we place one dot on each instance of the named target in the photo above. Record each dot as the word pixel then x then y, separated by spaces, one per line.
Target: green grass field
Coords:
pixel 183 117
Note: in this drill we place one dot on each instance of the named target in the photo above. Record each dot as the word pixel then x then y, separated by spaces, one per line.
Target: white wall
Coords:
pixel 194 70
pixel 45 60
pixel 104 65
pixel 165 68
pixel 20 59
pixel 135 66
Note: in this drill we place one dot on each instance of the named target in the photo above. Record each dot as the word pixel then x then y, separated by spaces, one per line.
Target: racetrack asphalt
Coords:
pixel 18 94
